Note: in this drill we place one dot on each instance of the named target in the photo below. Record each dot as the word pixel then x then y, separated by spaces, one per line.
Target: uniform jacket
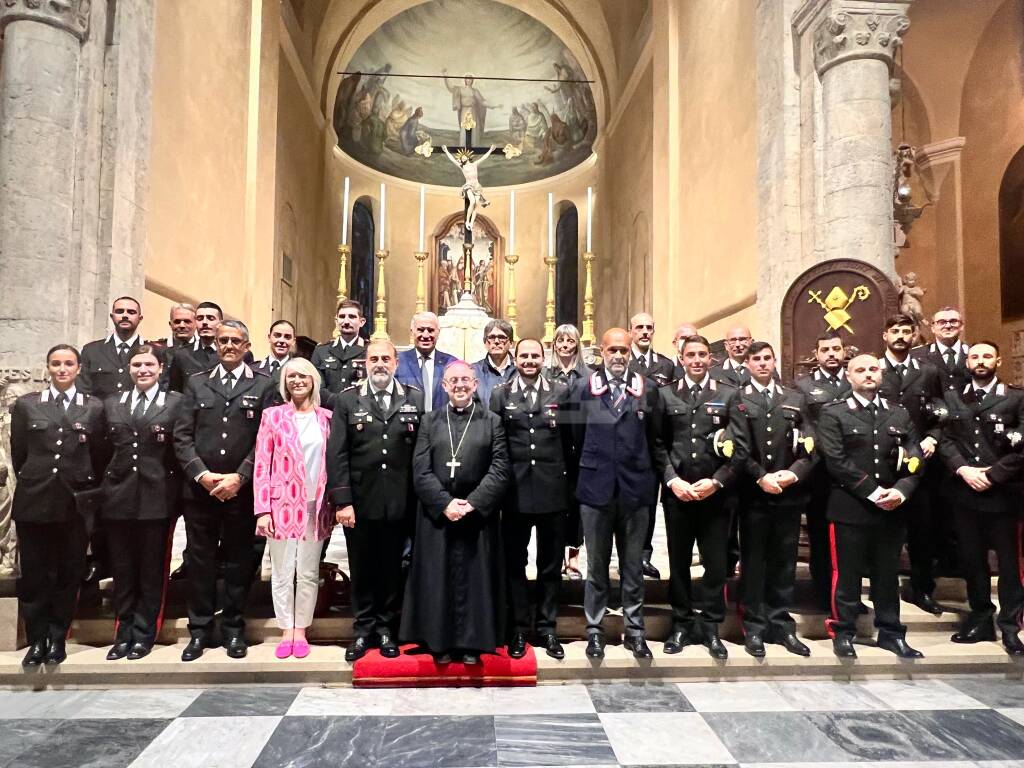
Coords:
pixel 102 373
pixel 369 457
pixel 274 390
pixel 919 391
pixel 185 362
pixel 279 474
pixel 340 368
pixel 863 453
pixel 539 445
pixel 954 378
pixel 143 479
pixel 57 456
pixel 737 377
pixel 409 373
pixel 660 371
pixel 820 392
pixel 615 448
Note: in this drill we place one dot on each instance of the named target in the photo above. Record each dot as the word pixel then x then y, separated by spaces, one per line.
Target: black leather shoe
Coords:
pixel 715 647
pixel 517 648
pixel 179 573
pixel 927 604
pixel 982 633
pixel 358 649
pixel 649 570
pixel 793 644
pixel 36 653
pixel 638 647
pixel 898 645
pixel 388 646
pixel 1012 644
pixel 237 647
pixel 470 659
pixel 552 647
pixel 676 642
pixel 118 651
pixel 57 653
pixel 194 649
pixel 754 645
pixel 595 647
pixel 138 651
pixel 843 647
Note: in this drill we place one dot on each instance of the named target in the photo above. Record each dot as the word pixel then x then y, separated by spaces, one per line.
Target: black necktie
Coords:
pixel 208 352
pixel 274 365
pixel 980 395
pixel 531 397
pixel 122 352
pixel 767 396
pixel 380 395
pixel 62 400
pixel 695 392
pixel 140 408
pixel 901 369
pixel 229 380
pixel 950 358
pixel 872 409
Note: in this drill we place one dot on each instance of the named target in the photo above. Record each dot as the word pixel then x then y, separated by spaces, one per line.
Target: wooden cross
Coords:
pixel 452 465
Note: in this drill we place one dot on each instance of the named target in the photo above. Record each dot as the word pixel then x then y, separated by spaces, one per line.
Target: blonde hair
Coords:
pixel 303 366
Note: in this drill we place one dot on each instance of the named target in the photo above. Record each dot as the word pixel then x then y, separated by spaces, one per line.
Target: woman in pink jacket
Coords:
pixel 290 504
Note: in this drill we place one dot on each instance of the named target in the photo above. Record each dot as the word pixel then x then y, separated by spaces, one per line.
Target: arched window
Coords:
pixel 361 286
pixel 567 271
pixel 1011 238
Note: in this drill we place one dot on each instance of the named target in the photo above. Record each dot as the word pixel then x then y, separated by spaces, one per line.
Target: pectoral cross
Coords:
pixel 452 465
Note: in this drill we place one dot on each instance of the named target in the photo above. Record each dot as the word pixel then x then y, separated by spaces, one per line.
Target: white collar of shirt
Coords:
pixel 500 369
pixel 690 383
pixel 731 365
pixel 894 362
pixel 770 387
pixel 148 394
pixel 647 357
pixel 609 378
pixel 117 341
pixel 221 372
pixel 987 390
pixel 389 390
pixel 55 393
pixel 865 403
pixel 343 345
pixel 943 349
pixel 839 374
pixel 423 359
pixel 269 360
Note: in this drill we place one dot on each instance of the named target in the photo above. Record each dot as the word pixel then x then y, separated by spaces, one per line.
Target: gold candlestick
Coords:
pixel 549 304
pixel 587 337
pixel 421 280
pixel 344 251
pixel 511 311
pixel 380 318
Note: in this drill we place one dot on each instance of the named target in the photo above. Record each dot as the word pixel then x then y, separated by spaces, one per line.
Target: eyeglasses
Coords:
pixel 495 337
pixel 946 323
pixel 230 341
pixel 738 340
pixel 460 380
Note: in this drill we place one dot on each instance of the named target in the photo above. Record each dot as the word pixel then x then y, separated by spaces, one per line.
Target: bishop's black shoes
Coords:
pixel 898 645
pixel 517 648
pixel 36 653
pixel 552 647
pixel 119 650
pixel 357 650
pixel 754 645
pixel 638 647
pixel 595 646
pixel 388 646
pixel 842 646
pixel 1012 644
pixel 793 644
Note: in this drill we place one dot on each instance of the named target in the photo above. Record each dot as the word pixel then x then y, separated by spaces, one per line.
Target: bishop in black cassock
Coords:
pixel 454 600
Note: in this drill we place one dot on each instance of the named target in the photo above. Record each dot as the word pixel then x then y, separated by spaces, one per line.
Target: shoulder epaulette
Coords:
pixel 259 372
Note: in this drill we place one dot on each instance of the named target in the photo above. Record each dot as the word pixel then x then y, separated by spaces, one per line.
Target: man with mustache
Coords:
pixel 341 362
pixel 369 483
pixel 184 362
pixel 981 447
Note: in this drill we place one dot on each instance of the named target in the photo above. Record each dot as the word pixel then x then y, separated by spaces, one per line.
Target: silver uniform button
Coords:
pixel 877 475
pixel 135 445
pixel 384 436
pixel 876 461
pixel 531 430
pixel 769 429
pixel 222 451
pixel 224 435
pixel 383 466
pixel 533 447
pixel 384 451
pixel 60 429
pixel 135 456
pixel 225 419
pixel 533 462
pixel 60 442
pixel 135 469
pixel 56 455
pixel 54 470
pixel 693 455
pixel 769 457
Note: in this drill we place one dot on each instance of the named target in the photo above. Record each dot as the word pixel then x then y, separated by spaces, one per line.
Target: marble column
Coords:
pixel 854 45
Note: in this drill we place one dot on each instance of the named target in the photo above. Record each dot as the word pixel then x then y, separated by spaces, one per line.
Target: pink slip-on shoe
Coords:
pixel 284 649
pixel 301 649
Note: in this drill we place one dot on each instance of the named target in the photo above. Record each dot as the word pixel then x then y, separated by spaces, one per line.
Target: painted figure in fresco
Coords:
pixel 467 100
pixel 472 192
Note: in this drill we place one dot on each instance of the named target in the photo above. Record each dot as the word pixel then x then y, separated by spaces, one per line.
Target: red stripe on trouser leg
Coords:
pixel 167 573
pixel 829 623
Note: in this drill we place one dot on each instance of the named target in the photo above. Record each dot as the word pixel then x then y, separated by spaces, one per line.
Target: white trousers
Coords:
pixel 295 576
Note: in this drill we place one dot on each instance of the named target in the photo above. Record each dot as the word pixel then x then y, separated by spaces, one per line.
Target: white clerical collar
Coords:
pixel 690 383
pixel 72 391
pixel 987 389
pixel 864 403
pixel 770 386
pixel 113 337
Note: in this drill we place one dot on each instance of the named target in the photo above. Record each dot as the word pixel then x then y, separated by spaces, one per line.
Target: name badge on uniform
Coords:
pixel 715 412
pixel 1000 427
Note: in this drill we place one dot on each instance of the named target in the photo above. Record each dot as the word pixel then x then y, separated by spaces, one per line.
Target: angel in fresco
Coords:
pixel 472 192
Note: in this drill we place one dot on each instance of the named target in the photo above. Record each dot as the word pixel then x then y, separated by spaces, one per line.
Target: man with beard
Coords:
pixel 916 385
pixel 981 447
pixel 454 599
pixel 532 410
pixel 732 370
pixel 948 353
pixel 201 356
pixel 423 366
pixel 341 362
pixel 871 450
pixel 369 482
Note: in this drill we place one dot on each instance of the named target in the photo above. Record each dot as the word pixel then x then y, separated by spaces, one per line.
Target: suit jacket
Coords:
pixel 58 457
pixel 539 446
pixel 863 453
pixel 102 373
pixel 143 479
pixel 369 462
pixel 660 371
pixel 279 475
pixel 340 368
pixel 615 446
pixel 919 391
pixel 409 373
pixel 954 377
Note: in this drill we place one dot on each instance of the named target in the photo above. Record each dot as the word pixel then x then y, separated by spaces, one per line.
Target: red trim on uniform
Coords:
pixel 829 623
pixel 167 576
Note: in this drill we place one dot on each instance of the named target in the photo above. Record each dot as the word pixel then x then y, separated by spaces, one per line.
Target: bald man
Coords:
pixel 733 370
pixel 423 365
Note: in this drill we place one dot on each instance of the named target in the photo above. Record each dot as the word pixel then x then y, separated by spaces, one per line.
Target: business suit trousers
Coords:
pixel 978 531
pixel 52 567
pixel 375 550
pixel 706 523
pixel 627 525
pixel 209 524
pixel 768 539
pixel 515 530
pixel 140 553
pixel 873 551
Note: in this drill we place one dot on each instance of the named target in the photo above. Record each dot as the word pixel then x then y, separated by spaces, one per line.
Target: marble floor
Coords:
pixel 966 721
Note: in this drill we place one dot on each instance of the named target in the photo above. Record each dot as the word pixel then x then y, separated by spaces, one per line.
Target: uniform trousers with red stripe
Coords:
pixel 707 523
pixel 139 562
pixel 871 550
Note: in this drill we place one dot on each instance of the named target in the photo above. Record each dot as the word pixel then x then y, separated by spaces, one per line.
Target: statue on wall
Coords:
pixel 472 192
pixel 910 294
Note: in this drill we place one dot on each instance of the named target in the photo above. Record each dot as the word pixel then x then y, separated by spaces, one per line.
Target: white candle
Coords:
pixel 551 224
pixel 590 214
pixel 344 215
pixel 512 222
pixel 423 202
pixel 382 209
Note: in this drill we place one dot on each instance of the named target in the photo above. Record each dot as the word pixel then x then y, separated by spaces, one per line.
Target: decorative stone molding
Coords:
pixel 70 15
pixel 847 35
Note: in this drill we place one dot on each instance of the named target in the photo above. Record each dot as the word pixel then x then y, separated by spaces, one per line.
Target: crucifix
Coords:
pixel 451 467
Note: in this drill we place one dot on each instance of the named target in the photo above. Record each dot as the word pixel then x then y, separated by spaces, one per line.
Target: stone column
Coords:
pixel 854 43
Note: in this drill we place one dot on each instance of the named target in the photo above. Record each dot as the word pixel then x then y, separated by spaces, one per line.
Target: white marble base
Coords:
pixel 462 330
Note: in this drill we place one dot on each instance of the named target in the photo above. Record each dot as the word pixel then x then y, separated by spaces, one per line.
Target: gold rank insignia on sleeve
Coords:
pixel 809 444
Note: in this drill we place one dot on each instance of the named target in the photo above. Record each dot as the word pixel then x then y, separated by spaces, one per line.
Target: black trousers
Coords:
pixel 872 551
pixel 140 553
pixel 573 527
pixel 52 567
pixel 707 523
pixel 375 564
pixel 819 560
pixel 515 530
pixel 768 535
pixel 210 524
pixel 977 532
pixel 652 519
pixel 921 539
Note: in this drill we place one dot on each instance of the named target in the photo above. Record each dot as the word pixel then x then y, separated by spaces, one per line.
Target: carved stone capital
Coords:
pixel 70 15
pixel 846 35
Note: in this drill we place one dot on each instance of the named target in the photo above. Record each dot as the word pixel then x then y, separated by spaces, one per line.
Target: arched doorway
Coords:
pixel 1011 238
pixel 567 267
pixel 361 284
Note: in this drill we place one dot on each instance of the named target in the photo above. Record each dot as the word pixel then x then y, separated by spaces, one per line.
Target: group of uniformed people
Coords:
pixel 918 446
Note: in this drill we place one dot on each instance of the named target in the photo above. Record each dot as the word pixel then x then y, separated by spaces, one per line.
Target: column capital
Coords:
pixel 72 16
pixel 846 30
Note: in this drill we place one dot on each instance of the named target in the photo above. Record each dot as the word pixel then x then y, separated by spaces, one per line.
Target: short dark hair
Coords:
pixel 276 323
pixel 515 352
pixel 62 348
pixel 502 325
pixel 127 298
pixel 759 346
pixel 987 342
pixel 900 319
pixel 828 336
pixel 695 339
pixel 349 304
pixel 210 305
pixel 147 349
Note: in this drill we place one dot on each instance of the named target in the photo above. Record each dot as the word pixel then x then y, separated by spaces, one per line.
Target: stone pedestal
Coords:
pixel 462 330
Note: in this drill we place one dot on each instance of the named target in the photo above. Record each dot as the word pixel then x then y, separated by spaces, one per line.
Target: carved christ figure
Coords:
pixel 472 192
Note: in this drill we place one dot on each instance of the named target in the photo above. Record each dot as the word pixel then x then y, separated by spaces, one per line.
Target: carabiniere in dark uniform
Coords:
pixel 105 366
pixel 340 366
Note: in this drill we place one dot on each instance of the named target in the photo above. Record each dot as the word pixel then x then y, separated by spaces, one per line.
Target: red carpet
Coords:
pixel 418 670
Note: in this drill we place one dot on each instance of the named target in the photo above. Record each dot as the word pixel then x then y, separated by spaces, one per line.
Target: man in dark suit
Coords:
pixel 613 421
pixel 981 447
pixel 871 450
pixel 948 353
pixel 772 495
pixel 201 356
pixel 342 362
pixel 423 365
pixel 369 483
pixel 825 384
pixel 915 384
pixel 281 339
pixel 696 465
pixel 733 370
pixel 540 450
pixel 215 442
